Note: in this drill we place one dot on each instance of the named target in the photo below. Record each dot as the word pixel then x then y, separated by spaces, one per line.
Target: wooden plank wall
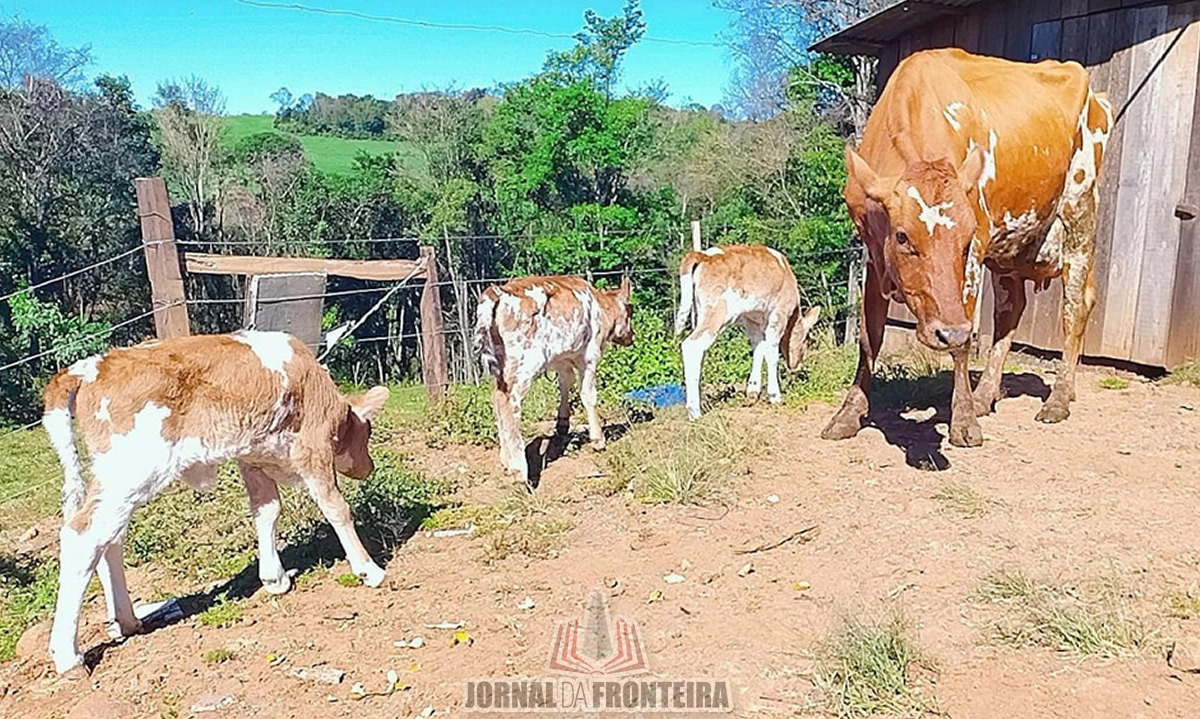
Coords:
pixel 1146 56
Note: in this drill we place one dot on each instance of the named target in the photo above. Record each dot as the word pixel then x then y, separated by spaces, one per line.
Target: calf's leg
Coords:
pixel 1010 305
pixel 322 485
pixel 848 420
pixel 566 378
pixel 122 622
pixel 587 395
pixel 755 334
pixel 263 495
pixel 709 321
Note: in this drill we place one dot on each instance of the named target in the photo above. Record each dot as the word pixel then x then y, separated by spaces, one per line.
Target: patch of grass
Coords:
pixel 329 154
pixel 30 479
pixel 522 523
pixel 1181 605
pixel 349 579
pixel 865 669
pixel 466 416
pixel 677 461
pixel 1188 374
pixel 217 656
pixel 27 592
pixel 223 613
pixel 1095 618
pixel 1113 382
pixel 963 499
pixel 828 369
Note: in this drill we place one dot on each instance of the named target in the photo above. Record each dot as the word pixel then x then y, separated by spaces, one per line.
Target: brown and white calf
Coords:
pixel 753 286
pixel 158 411
pixel 534 324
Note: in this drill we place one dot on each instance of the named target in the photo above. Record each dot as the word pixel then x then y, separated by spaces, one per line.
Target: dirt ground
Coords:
pixel 1114 491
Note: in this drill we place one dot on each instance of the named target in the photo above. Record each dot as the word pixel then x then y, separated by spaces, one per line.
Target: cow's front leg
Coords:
pixel 263 495
pixel 964 427
pixel 322 486
pixel 587 395
pixel 1079 296
pixel 846 423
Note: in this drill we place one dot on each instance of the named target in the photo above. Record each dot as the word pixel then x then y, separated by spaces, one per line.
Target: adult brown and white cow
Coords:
pixel 969 161
pixel 752 286
pixel 176 409
pixel 533 324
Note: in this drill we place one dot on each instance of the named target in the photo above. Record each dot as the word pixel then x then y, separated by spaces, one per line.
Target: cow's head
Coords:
pixel 350 455
pixel 930 229
pixel 622 314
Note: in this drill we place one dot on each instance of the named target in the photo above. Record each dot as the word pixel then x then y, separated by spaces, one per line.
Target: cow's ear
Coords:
pixel 860 173
pixel 810 318
pixel 626 288
pixel 971 169
pixel 369 404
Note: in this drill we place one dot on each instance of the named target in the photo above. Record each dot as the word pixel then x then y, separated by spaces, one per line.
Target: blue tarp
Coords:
pixel 663 395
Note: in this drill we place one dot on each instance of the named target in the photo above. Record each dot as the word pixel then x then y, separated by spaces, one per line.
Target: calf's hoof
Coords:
pixel 278 585
pixel 693 412
pixel 372 576
pixel 966 433
pixel 71 668
pixel 116 631
pixel 1053 412
pixel 598 445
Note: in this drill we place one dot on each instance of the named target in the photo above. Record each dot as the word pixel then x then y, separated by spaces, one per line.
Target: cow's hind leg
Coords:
pixel 566 378
pixel 263 495
pixel 1010 305
pixel 757 336
pixel 588 395
pixel 1079 296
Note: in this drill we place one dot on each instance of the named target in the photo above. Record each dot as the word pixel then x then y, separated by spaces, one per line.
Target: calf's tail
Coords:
pixel 687 290
pixel 485 340
pixel 57 414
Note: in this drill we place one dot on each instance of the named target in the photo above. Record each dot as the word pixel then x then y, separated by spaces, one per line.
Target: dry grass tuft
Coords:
pixel 866 669
pixel 963 499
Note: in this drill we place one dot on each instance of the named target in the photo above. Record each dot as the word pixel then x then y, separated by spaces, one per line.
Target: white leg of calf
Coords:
pixel 694 348
pixel 263 494
pixel 754 384
pixel 587 395
pixel 79 553
pixel 333 505
pixel 121 620
pixel 772 356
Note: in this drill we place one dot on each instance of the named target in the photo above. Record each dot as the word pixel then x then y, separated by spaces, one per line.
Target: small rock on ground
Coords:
pixel 1185 655
pixel 35 641
pixel 211 703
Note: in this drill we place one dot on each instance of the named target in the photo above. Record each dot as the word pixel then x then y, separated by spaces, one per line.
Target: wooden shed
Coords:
pixel 1146 55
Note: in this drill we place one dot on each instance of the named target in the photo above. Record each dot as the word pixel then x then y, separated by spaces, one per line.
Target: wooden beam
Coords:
pixel 162 259
pixel 433 340
pixel 205 264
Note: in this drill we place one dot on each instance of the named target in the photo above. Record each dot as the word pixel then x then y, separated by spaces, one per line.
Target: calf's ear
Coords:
pixel 626 288
pixel 810 318
pixel 368 405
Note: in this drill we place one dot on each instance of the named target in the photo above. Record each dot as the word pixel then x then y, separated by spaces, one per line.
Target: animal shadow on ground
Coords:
pixel 892 397
pixel 546 449
pixel 315 546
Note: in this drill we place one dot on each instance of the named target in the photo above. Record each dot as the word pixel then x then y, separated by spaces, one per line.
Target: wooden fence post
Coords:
pixel 162 259
pixel 433 341
pixel 695 235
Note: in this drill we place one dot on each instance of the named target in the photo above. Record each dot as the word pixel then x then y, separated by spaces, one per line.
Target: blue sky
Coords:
pixel 250 51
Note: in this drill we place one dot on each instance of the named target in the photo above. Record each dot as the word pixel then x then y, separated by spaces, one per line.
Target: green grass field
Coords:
pixel 327 154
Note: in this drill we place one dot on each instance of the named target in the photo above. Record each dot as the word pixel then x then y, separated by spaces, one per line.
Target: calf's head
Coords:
pixel 350 456
pixel 622 313
pixel 930 228
pixel 796 336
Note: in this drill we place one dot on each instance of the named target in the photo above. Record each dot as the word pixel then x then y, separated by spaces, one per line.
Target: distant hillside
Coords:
pixel 328 154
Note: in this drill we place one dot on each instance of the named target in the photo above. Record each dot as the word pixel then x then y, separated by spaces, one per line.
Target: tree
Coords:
pixel 188 113
pixel 283 98
pixel 28 50
pixel 599 48
pixel 769 39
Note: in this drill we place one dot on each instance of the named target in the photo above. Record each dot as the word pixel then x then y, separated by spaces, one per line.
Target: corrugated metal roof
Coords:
pixel 866 36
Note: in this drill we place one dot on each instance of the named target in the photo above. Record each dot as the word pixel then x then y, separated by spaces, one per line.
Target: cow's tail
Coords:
pixel 57 414
pixel 687 290
pixel 485 336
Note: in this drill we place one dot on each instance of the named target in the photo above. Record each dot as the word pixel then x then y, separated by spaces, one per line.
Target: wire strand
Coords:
pixel 85 338
pixel 81 270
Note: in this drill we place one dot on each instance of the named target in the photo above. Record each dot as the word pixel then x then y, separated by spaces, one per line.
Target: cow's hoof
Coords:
pixel 983 406
pixel 966 434
pixel 844 425
pixel 1053 412
pixel 115 631
pixel 372 576
pixel 281 585
pixel 598 445
pixel 774 398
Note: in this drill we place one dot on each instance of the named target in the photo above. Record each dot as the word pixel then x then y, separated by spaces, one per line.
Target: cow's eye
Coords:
pixel 902 237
